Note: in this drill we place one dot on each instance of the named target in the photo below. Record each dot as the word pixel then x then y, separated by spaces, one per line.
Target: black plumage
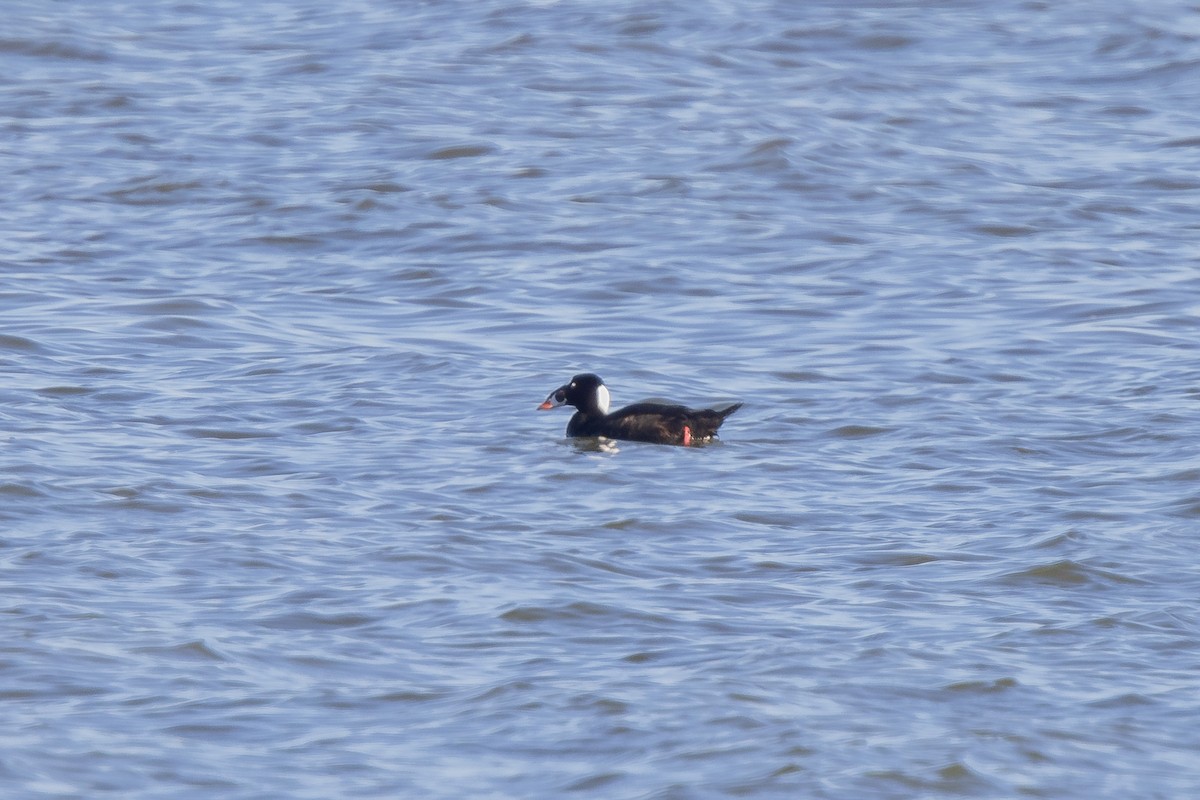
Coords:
pixel 659 423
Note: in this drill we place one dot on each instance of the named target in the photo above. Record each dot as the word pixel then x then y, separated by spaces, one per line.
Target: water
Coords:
pixel 283 284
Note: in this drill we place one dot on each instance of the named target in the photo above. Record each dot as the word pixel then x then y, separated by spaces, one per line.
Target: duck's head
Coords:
pixel 586 392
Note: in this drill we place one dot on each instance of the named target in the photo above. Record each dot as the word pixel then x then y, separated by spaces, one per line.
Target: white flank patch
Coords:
pixel 602 398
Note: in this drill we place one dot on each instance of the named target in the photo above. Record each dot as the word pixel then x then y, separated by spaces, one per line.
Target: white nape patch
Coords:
pixel 602 399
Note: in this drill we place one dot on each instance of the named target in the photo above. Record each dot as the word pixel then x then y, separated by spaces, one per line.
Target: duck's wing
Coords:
pixel 648 422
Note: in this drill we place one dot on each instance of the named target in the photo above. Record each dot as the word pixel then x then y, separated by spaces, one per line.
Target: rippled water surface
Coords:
pixel 283 284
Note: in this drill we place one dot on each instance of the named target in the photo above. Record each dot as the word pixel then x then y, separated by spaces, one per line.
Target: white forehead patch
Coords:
pixel 602 399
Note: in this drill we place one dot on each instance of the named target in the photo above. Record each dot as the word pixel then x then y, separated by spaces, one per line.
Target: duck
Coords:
pixel 658 423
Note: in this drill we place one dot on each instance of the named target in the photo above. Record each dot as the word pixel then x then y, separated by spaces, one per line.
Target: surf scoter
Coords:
pixel 641 422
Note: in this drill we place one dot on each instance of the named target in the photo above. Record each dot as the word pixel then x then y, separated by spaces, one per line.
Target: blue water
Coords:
pixel 283 284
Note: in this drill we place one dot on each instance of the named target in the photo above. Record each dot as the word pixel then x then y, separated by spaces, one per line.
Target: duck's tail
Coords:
pixel 708 420
pixel 725 412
